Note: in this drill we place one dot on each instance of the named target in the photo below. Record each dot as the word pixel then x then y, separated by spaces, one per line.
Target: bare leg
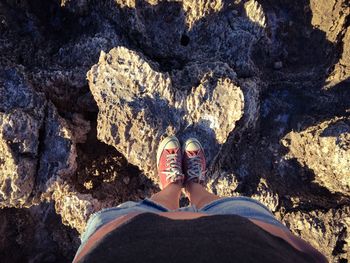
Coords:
pixel 169 196
pixel 198 195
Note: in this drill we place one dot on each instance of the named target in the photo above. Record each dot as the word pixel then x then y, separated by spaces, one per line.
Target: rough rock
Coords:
pixel 38 152
pixel 325 149
pixel 327 231
pixel 74 208
pixel 201 31
pixel 223 184
pixel 341 72
pixel 36 145
pixel 266 195
pixel 49 151
pixel 138 105
pixel 330 17
pixel 79 128
pixel 80 7
pixel 46 240
pixel 21 117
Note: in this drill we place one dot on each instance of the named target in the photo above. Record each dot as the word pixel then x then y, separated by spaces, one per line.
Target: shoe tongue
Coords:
pixel 172 151
pixel 192 153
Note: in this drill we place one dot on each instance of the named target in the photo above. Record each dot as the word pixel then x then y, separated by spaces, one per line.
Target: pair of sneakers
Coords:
pixel 178 164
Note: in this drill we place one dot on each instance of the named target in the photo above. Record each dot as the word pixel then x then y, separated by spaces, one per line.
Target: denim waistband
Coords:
pixel 237 198
pixel 153 204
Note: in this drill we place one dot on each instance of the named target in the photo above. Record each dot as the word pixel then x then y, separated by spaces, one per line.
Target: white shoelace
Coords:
pixel 195 168
pixel 174 170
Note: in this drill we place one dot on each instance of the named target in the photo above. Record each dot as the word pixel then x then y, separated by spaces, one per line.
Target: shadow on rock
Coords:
pixel 293 100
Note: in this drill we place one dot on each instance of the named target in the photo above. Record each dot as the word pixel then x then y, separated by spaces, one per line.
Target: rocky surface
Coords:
pixel 36 145
pixel 88 88
pixel 138 106
pixel 36 234
pixel 325 150
pixel 323 229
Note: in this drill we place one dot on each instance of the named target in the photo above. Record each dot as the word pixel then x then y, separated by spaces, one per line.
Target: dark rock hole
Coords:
pixel 185 40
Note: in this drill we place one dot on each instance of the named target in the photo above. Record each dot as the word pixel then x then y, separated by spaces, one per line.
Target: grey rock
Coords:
pixel 35 144
pixel 21 117
pixel 326 231
pixel 341 71
pixel 325 149
pixel 37 229
pixel 58 153
pixel 186 48
pixel 200 31
pixel 266 195
pixel 80 7
pixel 138 105
pixel 16 93
pixel 278 65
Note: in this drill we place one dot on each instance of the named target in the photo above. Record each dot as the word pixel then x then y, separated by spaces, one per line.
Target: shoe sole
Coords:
pixel 163 144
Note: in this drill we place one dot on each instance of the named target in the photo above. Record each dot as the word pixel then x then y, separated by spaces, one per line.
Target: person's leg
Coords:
pixel 198 195
pixel 194 166
pixel 169 165
pixel 169 196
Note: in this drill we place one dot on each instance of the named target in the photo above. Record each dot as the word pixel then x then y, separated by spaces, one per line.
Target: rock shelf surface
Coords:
pixel 89 88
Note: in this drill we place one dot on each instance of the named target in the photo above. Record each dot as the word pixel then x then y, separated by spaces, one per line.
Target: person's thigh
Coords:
pixel 242 206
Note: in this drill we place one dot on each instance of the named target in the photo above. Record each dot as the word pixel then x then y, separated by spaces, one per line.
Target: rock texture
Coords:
pixel 323 229
pixel 325 149
pixel 22 115
pixel 138 106
pixel 334 22
pixel 74 207
pixel 36 145
pixel 38 152
pixel 88 88
pixel 341 69
pixel 200 31
pixel 36 234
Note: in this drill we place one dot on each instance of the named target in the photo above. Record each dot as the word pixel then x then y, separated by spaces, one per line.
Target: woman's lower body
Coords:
pixel 184 167
pixel 242 206
pixel 174 162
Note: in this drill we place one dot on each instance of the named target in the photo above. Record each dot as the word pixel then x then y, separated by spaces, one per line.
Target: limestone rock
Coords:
pixel 38 155
pixel 223 184
pixel 74 208
pixel 79 128
pixel 195 11
pixel 326 231
pixel 36 234
pixel 35 144
pixel 341 71
pixel 176 33
pixel 138 105
pixel 256 15
pixel 58 152
pixel 21 117
pixel 329 16
pixel 266 196
pixel 181 62
pixel 17 172
pixel 80 7
pixel 325 149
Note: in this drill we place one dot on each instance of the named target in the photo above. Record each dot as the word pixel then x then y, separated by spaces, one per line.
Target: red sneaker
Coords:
pixel 194 161
pixel 169 158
